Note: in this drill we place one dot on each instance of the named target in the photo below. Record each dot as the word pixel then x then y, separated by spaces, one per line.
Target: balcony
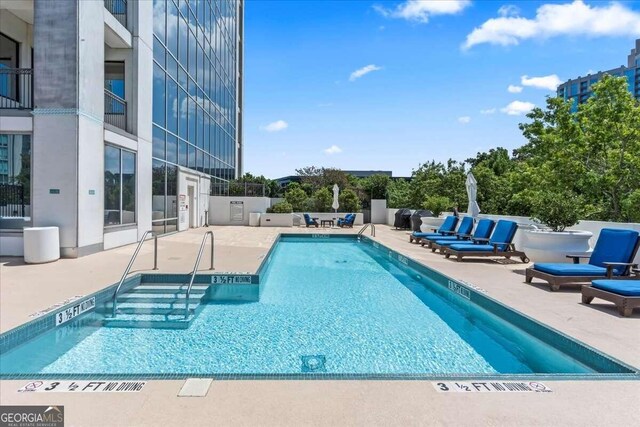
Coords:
pixel 118 9
pixel 16 88
pixel 115 110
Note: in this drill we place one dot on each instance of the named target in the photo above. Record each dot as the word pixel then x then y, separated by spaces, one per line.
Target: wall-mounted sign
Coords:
pixel 54 191
pixel 237 211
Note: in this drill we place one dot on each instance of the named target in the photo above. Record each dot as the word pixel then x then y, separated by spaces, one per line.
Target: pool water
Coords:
pixel 327 306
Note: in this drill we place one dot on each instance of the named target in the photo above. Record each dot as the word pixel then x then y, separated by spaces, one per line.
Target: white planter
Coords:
pixel 276 220
pixel 553 246
pixel 429 223
pixel 41 244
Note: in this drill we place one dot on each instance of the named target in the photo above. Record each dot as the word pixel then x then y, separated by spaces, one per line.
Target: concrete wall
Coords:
pixel 378 211
pixel 220 208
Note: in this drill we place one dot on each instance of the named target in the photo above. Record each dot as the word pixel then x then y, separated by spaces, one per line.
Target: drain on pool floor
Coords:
pixel 313 363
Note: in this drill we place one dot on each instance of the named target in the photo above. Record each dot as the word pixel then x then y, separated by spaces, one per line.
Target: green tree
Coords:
pixel 349 201
pixel 610 124
pixel 323 199
pixel 296 197
pixel 398 194
pixel 376 185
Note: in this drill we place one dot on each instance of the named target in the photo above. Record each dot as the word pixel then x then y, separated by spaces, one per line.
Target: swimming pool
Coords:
pixel 334 306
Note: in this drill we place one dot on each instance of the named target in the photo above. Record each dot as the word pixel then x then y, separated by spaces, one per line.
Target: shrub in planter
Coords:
pixel 282 207
pixel 436 204
pixel 557 210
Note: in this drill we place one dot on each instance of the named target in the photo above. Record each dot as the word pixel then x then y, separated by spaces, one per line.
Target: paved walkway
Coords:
pixel 25 289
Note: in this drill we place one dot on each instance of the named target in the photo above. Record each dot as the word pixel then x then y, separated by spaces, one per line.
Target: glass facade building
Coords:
pixel 196 96
pixel 578 90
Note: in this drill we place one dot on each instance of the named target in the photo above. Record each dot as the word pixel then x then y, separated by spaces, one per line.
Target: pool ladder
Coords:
pixel 195 268
pixel 128 269
pixel 371 226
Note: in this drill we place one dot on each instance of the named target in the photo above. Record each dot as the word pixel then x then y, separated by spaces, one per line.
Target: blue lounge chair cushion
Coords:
pixel 484 228
pixel 449 242
pixel 426 235
pixel 628 288
pixel 558 269
pixel 448 226
pixel 503 233
pixel 467 247
pixel 614 246
pixel 441 237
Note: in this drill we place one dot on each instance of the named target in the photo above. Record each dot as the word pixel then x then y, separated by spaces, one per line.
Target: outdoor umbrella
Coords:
pixel 472 192
pixel 335 204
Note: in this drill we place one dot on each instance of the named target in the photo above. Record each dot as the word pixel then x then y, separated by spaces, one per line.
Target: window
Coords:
pixel 119 186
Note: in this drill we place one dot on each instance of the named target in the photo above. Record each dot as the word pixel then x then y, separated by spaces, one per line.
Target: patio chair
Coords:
pixel 612 257
pixel 483 231
pixel 310 221
pixel 465 229
pixel 347 221
pixel 448 227
pixel 499 245
pixel 625 294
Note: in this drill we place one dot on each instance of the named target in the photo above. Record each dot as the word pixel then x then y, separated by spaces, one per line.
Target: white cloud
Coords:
pixel 514 89
pixel 362 71
pixel 488 111
pixel 509 10
pixel 422 10
pixel 517 108
pixel 334 149
pixel 464 119
pixel 545 82
pixel 551 20
pixel 275 126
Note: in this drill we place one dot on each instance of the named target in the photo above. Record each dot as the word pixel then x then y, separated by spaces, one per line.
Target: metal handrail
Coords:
pixel 133 258
pixel 195 269
pixel 373 230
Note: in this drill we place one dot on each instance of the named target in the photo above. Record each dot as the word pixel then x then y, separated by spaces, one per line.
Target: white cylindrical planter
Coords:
pixel 429 223
pixel 553 246
pixel 254 219
pixel 41 244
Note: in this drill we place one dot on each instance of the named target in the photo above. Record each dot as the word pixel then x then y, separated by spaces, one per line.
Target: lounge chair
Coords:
pixel 465 229
pixel 483 231
pixel 347 221
pixel 625 294
pixel 612 256
pixel 310 221
pixel 448 227
pixel 500 244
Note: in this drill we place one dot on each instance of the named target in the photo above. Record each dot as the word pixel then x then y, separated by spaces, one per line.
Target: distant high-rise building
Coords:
pixel 578 90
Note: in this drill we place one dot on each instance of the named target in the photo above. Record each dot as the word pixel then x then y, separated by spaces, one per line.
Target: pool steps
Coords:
pixel 156 305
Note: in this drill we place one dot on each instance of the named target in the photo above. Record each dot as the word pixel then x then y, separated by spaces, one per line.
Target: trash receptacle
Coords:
pixel 41 244
pixel 254 219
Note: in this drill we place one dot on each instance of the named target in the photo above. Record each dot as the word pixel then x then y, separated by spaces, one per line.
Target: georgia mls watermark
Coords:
pixel 31 416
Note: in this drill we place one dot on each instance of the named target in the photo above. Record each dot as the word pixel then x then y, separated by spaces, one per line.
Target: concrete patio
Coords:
pixel 25 289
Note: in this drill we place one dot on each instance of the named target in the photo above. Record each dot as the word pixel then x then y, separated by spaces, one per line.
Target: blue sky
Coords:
pixel 435 88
